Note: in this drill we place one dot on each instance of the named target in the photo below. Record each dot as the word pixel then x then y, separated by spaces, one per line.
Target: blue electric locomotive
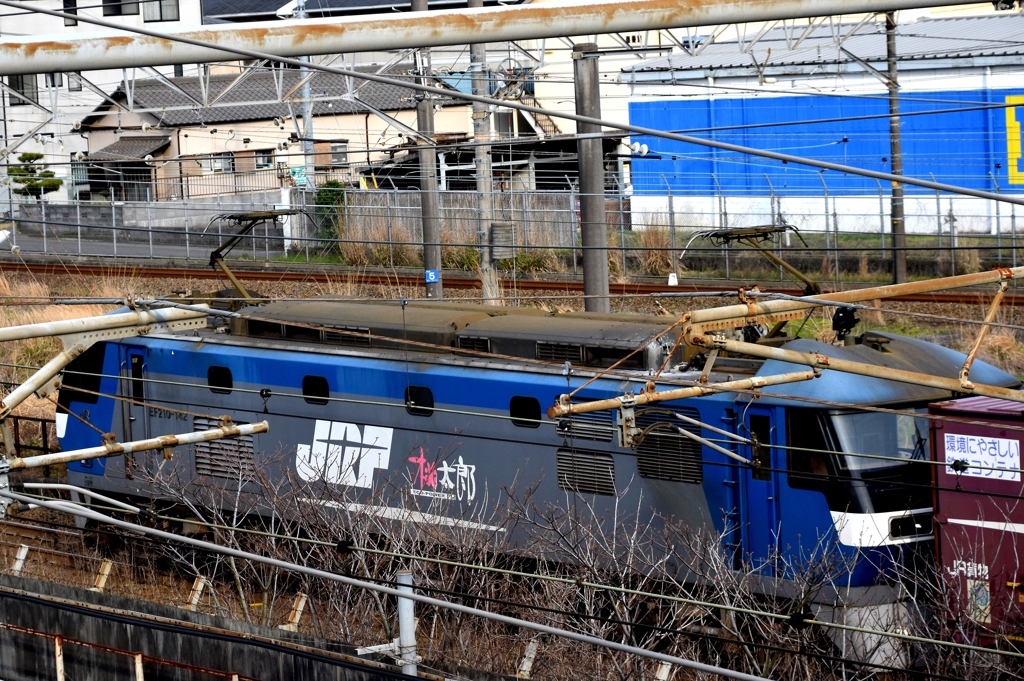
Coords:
pixel 438 408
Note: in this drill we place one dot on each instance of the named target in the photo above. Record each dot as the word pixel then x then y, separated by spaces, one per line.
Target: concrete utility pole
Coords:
pixel 428 175
pixel 307 114
pixel 482 161
pixel 593 221
pixel 899 233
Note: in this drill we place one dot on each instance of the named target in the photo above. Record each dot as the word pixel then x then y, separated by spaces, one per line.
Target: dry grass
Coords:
pixel 654 259
pixel 382 248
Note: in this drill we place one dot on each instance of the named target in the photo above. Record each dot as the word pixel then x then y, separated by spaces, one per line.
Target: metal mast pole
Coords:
pixel 899 235
pixel 428 175
pixel 591 168
pixel 307 114
pixel 482 160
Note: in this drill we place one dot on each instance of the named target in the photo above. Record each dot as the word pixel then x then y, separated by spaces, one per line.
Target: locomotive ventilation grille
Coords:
pixel 587 472
pixel 229 458
pixel 475 343
pixel 358 336
pixel 595 425
pixel 560 352
pixel 348 335
pixel 664 454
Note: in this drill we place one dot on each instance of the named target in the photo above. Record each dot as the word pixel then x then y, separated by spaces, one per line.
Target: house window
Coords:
pixel 74 84
pixel 223 163
pixel 218 163
pixel 25 86
pixel 70 7
pixel 79 171
pixel 160 10
pixel 179 70
pixel 264 158
pixel 114 8
pixel 54 79
pixel 339 154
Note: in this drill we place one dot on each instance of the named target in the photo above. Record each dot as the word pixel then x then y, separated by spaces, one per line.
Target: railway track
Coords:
pixel 410 279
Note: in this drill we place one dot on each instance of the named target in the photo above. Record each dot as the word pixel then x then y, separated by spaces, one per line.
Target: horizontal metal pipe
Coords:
pixel 236 50
pixel 84 491
pixel 39 379
pixel 98 323
pixel 711 445
pixel 294 38
pixel 564 408
pixel 844 365
pixel 117 448
pixel 741 313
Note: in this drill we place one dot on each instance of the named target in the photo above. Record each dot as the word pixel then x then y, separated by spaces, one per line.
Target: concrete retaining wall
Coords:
pixel 30 657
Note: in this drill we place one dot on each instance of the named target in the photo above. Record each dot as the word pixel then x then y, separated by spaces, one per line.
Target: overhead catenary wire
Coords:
pixel 604 619
pixel 824 165
pixel 707 605
pixel 361 584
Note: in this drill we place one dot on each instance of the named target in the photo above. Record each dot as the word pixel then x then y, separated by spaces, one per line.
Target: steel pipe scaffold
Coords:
pixel 112 49
pixel 102 325
pixel 227 430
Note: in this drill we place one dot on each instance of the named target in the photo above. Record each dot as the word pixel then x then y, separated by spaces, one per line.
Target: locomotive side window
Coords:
pixel 315 389
pixel 808 460
pixel 138 387
pixel 419 401
pixel 219 380
pixel 525 411
pixel 81 381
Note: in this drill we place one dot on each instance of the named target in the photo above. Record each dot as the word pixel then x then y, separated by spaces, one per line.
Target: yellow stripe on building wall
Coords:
pixel 1013 151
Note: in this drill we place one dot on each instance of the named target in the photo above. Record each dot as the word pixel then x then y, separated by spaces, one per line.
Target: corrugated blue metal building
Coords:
pixel 833 72
pixel 966 148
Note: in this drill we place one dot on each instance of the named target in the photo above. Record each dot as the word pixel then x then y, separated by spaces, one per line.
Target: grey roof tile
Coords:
pixel 253 99
pixel 130 149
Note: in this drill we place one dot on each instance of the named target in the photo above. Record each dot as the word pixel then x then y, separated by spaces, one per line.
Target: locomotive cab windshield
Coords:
pixel 864 462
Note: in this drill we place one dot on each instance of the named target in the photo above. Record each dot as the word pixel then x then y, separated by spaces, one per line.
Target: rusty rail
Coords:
pixel 60 641
pixel 323 275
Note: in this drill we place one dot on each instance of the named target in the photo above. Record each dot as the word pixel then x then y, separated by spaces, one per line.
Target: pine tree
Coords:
pixel 35 180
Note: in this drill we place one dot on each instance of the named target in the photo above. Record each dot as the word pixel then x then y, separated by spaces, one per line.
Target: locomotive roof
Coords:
pixel 342 313
pixel 885 350
pixel 485 320
pixel 578 329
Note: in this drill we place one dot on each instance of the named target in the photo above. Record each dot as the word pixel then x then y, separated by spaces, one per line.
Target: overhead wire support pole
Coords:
pixel 429 208
pixel 896 210
pixel 590 159
pixel 489 289
pixel 308 149
pixel 21 64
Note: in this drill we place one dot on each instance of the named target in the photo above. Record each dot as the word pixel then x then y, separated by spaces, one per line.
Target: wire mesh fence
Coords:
pixel 827 237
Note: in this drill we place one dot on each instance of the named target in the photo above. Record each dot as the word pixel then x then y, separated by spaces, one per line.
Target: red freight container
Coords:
pixel 979 514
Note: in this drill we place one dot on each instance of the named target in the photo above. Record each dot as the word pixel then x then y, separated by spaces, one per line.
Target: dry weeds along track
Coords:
pixel 321 275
